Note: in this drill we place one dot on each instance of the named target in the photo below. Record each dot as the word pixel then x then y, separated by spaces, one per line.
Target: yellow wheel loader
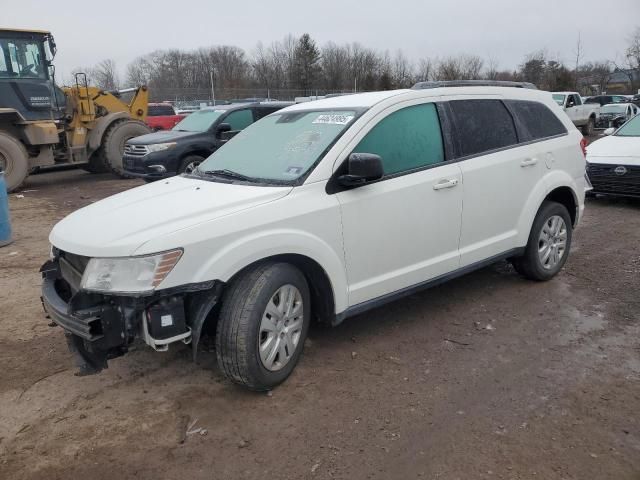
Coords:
pixel 42 125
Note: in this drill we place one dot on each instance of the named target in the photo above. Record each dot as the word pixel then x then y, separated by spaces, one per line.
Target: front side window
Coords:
pixel 482 126
pixel 199 121
pixel 282 147
pixel 22 58
pixel 630 129
pixel 536 119
pixel 239 119
pixel 406 139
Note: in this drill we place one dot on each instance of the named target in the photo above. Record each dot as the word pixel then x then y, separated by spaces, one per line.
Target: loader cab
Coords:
pixel 26 74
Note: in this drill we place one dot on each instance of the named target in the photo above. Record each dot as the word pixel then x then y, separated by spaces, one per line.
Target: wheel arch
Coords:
pixel 557 187
pixel 102 124
pixel 320 287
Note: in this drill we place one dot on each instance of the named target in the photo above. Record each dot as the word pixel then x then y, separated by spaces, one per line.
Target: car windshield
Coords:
pixel 630 129
pixel 559 99
pixel 613 109
pixel 199 121
pixel 281 147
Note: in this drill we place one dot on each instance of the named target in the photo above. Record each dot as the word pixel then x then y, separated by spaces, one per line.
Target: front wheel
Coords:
pixel 549 243
pixel 262 325
pixel 189 164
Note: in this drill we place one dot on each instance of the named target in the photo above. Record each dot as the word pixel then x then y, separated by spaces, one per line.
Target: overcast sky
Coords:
pixel 87 32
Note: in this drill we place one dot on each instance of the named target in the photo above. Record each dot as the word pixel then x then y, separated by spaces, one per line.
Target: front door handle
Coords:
pixel 446 183
pixel 529 162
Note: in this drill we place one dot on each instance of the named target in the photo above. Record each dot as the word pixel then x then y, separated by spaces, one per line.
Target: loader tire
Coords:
pixel 96 163
pixel 14 161
pixel 113 141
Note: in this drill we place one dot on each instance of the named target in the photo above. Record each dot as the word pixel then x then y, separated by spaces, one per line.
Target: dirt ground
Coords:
pixel 488 376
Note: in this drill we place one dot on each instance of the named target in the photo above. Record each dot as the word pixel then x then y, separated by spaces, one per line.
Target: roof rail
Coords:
pixel 472 83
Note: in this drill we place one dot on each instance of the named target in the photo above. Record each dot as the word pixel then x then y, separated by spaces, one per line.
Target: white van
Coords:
pixel 320 211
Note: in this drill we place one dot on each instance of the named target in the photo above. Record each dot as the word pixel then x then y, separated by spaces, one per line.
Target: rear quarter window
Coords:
pixel 536 120
pixel 482 126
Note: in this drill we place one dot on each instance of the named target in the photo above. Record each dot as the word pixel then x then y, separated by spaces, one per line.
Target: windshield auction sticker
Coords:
pixel 331 119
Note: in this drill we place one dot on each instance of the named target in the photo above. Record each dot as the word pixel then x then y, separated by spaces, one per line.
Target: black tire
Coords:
pixel 14 161
pixel 587 130
pixel 529 264
pixel 238 329
pixel 113 141
pixel 96 164
pixel 188 161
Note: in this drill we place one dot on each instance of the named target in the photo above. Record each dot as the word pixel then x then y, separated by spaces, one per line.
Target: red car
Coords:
pixel 162 116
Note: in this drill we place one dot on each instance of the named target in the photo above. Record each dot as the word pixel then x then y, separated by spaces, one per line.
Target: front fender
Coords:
pixel 250 249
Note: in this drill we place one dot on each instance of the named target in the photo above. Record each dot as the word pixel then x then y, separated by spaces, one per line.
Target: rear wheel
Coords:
pixel 190 163
pixel 113 142
pixel 14 161
pixel 549 243
pixel 587 130
pixel 262 325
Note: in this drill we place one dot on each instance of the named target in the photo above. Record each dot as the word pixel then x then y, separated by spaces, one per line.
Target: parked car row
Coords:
pixel 320 210
pixel 613 162
pixel 180 150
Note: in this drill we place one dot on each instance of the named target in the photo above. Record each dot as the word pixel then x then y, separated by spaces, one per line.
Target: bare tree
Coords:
pixel 579 53
pixel 105 75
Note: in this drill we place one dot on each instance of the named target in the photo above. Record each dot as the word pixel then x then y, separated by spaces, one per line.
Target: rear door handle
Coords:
pixel 446 183
pixel 529 162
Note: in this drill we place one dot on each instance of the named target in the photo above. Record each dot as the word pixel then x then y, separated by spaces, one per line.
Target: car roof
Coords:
pixel 369 99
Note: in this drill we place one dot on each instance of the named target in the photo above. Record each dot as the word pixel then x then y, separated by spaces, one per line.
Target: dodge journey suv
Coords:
pixel 318 212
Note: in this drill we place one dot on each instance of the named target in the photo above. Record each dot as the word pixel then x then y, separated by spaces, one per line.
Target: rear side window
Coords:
pixel 239 119
pixel 536 120
pixel 407 139
pixel 482 125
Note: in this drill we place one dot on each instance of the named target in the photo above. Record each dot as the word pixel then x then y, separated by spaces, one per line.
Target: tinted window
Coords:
pixel 537 120
pixel 239 120
pixel 407 139
pixel 264 111
pixel 159 110
pixel 482 125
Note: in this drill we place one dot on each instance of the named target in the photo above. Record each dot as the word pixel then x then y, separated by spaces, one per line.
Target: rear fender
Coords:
pixel 554 179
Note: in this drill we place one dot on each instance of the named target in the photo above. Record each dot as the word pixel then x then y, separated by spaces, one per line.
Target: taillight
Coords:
pixel 583 146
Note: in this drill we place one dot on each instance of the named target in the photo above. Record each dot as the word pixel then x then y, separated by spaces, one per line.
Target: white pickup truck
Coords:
pixel 584 115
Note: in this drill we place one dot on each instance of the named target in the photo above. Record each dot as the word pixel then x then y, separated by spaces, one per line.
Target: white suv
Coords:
pixel 321 210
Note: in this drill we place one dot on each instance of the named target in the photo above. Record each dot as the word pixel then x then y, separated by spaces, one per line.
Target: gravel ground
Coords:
pixel 487 376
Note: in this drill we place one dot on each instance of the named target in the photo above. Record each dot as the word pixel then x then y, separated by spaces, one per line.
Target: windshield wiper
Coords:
pixel 229 174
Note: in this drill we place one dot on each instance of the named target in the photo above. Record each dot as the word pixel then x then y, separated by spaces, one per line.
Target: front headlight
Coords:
pixel 129 274
pixel 158 147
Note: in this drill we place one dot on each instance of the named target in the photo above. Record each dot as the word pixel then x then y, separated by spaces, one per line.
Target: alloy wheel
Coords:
pixel 552 242
pixel 281 328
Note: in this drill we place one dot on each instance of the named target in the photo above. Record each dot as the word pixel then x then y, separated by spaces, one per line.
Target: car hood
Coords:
pixel 120 225
pixel 161 137
pixel 614 149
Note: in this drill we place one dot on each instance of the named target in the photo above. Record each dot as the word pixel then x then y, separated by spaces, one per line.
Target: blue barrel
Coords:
pixel 5 220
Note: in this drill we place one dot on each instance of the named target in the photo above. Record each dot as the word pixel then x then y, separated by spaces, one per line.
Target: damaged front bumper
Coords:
pixel 100 327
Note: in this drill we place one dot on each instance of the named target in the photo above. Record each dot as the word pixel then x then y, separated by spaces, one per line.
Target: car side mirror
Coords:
pixel 222 128
pixel 362 168
pixel 571 104
pixel 609 131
